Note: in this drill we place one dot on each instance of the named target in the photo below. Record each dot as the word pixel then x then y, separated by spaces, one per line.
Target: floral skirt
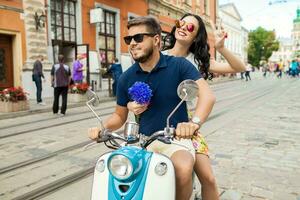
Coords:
pixel 200 144
pixel 198 140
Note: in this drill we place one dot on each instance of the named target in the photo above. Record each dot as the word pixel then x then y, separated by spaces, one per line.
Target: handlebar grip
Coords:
pixel 164 140
pixel 94 133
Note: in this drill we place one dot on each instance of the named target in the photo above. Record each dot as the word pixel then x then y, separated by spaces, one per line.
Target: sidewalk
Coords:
pixel 36 108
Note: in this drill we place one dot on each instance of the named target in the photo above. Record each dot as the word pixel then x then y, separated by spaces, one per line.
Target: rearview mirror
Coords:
pixel 93 98
pixel 187 90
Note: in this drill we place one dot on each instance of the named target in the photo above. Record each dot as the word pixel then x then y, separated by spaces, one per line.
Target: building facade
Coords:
pixel 296 34
pixel 289 48
pixel 237 41
pixel 284 53
pixel 12 43
pixel 92 28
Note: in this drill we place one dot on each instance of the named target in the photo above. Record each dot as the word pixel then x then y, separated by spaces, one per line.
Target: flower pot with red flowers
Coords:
pixel 77 92
pixel 13 99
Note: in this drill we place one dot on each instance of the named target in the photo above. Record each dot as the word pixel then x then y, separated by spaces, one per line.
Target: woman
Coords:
pixel 188 38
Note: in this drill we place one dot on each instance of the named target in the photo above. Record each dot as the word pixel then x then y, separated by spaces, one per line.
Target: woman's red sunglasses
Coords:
pixel 189 26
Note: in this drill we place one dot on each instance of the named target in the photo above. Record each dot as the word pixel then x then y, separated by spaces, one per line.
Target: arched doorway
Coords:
pixel 6 62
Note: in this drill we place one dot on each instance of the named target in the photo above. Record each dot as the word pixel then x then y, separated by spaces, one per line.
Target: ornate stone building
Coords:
pixel 289 48
pixel 71 27
pixel 237 40
pixel 296 34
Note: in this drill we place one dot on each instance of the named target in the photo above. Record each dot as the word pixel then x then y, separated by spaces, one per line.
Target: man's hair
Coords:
pixel 116 60
pixel 151 23
pixel 60 58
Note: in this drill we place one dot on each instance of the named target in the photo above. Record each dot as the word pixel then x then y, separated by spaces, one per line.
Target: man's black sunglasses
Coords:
pixel 137 37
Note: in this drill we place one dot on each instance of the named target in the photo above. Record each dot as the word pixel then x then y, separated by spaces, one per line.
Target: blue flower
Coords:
pixel 140 92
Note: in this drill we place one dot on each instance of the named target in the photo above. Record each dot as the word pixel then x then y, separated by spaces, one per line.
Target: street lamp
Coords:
pixel 39 20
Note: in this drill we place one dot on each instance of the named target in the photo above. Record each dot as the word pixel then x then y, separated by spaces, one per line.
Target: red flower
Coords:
pixel 79 88
pixel 13 94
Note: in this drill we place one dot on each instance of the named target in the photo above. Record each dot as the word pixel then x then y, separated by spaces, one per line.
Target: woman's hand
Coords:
pixel 136 108
pixel 93 133
pixel 220 36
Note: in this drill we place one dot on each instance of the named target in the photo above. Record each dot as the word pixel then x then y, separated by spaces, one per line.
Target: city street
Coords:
pixel 253 135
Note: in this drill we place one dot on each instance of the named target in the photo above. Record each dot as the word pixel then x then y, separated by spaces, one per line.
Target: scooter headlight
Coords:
pixel 120 167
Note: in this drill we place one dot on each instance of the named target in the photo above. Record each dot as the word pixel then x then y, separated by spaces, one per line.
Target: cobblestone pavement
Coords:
pixel 257 155
pixel 252 134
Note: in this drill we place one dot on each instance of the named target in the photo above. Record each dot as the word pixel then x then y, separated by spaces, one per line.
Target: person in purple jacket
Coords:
pixel 77 75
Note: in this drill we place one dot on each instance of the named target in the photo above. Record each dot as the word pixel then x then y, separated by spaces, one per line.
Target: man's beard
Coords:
pixel 144 57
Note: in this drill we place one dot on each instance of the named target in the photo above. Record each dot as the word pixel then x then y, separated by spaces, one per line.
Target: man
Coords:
pixel 60 79
pixel 248 70
pixel 37 75
pixel 155 69
pixel 116 70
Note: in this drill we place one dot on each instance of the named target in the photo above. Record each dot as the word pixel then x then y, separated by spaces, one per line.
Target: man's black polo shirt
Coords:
pixel 169 72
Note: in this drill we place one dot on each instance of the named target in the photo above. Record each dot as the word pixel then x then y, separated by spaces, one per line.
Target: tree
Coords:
pixel 261 45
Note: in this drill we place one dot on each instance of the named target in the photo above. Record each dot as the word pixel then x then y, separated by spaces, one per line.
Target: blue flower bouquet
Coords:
pixel 141 93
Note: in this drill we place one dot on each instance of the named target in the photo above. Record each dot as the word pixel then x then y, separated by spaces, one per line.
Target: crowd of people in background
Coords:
pixel 290 69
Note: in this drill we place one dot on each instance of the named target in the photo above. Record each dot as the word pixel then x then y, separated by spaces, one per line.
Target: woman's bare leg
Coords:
pixel 202 167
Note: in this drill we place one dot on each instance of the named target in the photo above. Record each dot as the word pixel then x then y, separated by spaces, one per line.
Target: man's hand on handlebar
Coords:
pixel 94 133
pixel 186 130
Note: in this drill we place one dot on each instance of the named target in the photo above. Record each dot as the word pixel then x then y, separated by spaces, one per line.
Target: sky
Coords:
pixel 278 16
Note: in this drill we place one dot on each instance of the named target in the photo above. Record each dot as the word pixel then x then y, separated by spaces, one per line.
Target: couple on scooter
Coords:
pixel 152 67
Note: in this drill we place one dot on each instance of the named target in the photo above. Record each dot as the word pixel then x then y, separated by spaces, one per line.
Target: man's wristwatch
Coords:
pixel 196 120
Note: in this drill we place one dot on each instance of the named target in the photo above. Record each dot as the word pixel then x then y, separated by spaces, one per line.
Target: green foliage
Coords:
pixel 261 45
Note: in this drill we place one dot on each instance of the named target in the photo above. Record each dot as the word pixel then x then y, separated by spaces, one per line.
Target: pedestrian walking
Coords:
pixel 280 69
pixel 116 70
pixel 294 68
pixel 37 75
pixel 265 70
pixel 77 71
pixel 242 75
pixel 60 77
pixel 248 70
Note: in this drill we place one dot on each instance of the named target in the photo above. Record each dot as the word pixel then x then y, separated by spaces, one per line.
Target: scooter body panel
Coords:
pixel 160 187
pixel 145 183
pixel 100 181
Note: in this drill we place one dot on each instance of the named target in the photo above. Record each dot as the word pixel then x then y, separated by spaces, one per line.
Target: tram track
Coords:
pixel 82 144
pixel 51 118
pixel 64 122
pixel 217 89
pixel 61 123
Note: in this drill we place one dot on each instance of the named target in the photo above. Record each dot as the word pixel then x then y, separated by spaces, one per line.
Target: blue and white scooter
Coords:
pixel 130 172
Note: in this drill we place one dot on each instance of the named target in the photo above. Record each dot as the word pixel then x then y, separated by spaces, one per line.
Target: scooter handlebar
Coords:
pixel 158 135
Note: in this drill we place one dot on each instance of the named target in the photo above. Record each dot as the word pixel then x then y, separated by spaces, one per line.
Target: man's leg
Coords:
pixel 56 100
pixel 64 94
pixel 182 157
pixel 183 162
pixel 38 83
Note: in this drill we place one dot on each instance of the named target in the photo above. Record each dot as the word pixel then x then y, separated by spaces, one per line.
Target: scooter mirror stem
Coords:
pixel 175 109
pixel 90 107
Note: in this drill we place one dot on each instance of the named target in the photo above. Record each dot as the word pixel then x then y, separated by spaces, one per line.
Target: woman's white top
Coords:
pixel 189 57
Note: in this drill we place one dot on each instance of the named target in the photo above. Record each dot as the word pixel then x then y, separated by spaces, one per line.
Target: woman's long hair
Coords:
pixel 200 47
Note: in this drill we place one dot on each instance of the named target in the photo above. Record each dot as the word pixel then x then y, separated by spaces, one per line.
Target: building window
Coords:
pixel 63 21
pixel 107 38
pixel 206 7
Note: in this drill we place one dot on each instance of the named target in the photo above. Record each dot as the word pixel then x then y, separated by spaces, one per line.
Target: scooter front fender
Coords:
pixel 101 179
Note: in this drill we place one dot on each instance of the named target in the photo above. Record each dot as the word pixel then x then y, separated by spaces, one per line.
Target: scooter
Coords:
pixel 130 172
